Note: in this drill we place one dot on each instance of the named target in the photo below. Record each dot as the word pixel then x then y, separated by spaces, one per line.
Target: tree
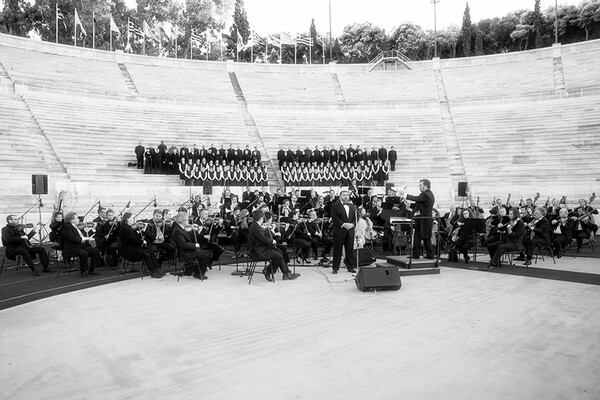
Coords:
pixel 240 24
pixel 521 34
pixel 537 22
pixel 411 40
pixel 362 42
pixel 448 41
pixel 589 15
pixel 466 35
pixel 17 18
pixel 313 35
pixel 478 43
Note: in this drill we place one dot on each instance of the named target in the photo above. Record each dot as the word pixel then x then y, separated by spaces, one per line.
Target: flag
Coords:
pixel 255 39
pixel 114 27
pixel 147 32
pixel 197 38
pixel 274 41
pixel 78 22
pixel 211 36
pixel 178 31
pixel 134 29
pixel 240 44
pixel 306 40
pixel 167 30
pixel 60 16
pixel 286 38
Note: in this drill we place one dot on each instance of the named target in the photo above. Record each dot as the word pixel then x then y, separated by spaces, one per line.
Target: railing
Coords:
pixel 390 54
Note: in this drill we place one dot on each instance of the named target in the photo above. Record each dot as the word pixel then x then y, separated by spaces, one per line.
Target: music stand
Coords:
pixel 474 226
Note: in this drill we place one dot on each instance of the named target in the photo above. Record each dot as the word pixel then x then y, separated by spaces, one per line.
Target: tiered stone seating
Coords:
pixel 502 78
pixel 39 69
pixel 194 82
pixel 96 139
pixel 275 87
pixel 416 137
pixel 549 146
pixel 581 69
pixel 409 86
pixel 25 152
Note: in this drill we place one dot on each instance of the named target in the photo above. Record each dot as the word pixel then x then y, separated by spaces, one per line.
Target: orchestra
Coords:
pixel 305 221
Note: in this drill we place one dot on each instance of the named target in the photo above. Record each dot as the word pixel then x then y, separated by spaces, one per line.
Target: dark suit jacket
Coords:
pixel 130 241
pixel 542 230
pixel 11 239
pixel 392 155
pixel 262 246
pixel 424 204
pixel 184 241
pixel 139 150
pixel 516 236
pixel 72 241
pixel 382 154
pixel 338 214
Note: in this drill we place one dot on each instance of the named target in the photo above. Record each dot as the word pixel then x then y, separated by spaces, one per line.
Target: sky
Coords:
pixel 271 16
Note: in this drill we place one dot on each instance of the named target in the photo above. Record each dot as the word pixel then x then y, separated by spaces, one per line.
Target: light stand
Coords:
pixel 42 226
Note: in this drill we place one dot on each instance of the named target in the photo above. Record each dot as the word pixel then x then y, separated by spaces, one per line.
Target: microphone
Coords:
pixel 155 203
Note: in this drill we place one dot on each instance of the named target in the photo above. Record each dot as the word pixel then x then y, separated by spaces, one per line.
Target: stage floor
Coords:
pixel 461 334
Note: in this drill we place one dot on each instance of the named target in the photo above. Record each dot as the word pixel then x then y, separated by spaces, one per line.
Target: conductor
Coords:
pixel 423 218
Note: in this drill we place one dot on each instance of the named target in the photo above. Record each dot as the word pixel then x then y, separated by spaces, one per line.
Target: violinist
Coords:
pixel 16 243
pixel 462 239
pixel 107 235
pixel 156 237
pixel 298 234
pixel 56 227
pixel 317 237
pixel 77 245
pixel 498 224
pixel 553 211
pixel 99 220
pixel 264 248
pixel 208 238
pixel 135 248
pixel 539 233
pixel 186 239
pixel 513 240
pixel 582 224
pixel 273 231
pixel 562 232
pixel 285 208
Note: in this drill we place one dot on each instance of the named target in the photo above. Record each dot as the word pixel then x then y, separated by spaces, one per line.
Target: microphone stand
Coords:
pixel 146 206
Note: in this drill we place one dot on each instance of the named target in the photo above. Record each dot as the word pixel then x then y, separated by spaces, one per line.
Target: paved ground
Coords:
pixel 458 335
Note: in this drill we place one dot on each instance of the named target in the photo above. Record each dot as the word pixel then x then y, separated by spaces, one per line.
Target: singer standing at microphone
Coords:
pixel 343 214
pixel 423 221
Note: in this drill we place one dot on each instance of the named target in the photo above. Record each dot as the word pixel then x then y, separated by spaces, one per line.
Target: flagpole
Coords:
pixel 295 50
pixel 56 21
pixel 310 51
pixel 191 45
pixel 176 34
pixel 127 32
pixel 323 40
pixel 280 47
pixel 93 30
pixel 75 33
pixel 110 29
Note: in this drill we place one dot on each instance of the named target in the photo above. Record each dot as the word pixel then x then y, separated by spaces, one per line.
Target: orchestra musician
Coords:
pixel 75 244
pixel 135 248
pixel 539 233
pixel 422 228
pixel 186 239
pixel 156 237
pixel 343 214
pixel 297 234
pixel 462 239
pixel 107 235
pixel 562 232
pixel 56 227
pixel 498 225
pixel 16 243
pixel 210 230
pixel 513 240
pixel 273 230
pixel 317 237
pixel 264 248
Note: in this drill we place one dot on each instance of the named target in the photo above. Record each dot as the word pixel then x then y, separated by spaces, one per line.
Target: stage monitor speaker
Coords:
pixel 462 189
pixel 39 184
pixel 378 278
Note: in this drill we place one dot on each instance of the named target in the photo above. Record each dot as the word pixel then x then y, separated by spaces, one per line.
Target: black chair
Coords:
pixel 253 260
pixel 539 251
pixel 125 263
pixel 70 262
pixel 18 263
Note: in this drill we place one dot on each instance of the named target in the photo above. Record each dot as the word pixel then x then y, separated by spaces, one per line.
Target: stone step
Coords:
pixel 412 272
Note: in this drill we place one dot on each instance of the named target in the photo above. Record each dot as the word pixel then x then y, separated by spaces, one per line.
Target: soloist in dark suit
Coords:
pixel 74 246
pixel 343 237
pixel 422 228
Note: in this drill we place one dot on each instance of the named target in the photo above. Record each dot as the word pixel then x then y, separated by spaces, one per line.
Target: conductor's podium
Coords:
pixel 408 267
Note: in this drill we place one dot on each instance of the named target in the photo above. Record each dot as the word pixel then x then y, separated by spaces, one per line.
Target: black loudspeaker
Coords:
pixel 462 189
pixel 378 278
pixel 39 184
